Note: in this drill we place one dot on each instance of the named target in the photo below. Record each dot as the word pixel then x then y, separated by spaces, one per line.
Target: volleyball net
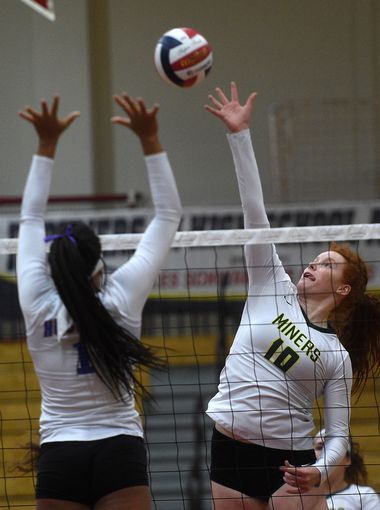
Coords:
pixel 191 317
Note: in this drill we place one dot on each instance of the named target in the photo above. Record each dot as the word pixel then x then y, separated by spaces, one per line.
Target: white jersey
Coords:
pixel 279 362
pixel 76 405
pixel 354 497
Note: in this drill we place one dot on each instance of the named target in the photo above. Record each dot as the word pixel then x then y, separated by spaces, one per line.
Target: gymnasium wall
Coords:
pixel 284 49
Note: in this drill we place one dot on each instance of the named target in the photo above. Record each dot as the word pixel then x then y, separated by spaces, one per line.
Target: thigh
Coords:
pixel 249 468
pixel 225 498
pixel 120 462
pixel 62 475
pixel 239 466
pixel 131 498
pixel 57 504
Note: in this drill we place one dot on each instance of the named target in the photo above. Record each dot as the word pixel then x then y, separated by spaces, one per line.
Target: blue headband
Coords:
pixel 68 234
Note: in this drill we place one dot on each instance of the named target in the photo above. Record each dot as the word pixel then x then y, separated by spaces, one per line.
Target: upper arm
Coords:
pixel 337 395
pixel 134 280
pixel 33 281
pixel 32 277
pixel 264 265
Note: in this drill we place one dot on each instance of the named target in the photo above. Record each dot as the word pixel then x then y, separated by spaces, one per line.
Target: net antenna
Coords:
pixel 44 7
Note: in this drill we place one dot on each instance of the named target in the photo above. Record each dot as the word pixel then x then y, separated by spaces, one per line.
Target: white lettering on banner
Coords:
pixel 195 272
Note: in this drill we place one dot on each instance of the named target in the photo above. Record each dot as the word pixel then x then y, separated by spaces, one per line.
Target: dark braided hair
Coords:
pixel 112 350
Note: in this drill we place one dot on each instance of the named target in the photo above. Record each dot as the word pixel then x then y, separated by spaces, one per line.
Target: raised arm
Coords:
pixel 133 281
pixel 237 117
pixel 33 281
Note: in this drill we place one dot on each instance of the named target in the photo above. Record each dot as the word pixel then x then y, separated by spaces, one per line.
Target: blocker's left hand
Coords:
pixel 300 479
pixel 48 125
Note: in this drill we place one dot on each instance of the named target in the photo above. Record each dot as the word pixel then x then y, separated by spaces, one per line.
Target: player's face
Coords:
pixel 324 276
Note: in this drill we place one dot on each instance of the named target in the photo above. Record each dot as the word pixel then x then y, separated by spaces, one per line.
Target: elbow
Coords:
pixel 172 215
pixel 179 212
pixel 171 220
pixel 177 209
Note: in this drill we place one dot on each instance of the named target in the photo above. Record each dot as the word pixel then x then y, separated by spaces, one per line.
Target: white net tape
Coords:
pixel 237 237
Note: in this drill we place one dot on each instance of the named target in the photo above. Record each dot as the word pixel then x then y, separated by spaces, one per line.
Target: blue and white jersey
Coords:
pixel 76 405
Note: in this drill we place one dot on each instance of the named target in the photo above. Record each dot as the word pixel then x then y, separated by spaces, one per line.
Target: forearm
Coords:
pixel 261 259
pixel 334 453
pixel 163 187
pixel 37 187
pixel 336 418
pixel 248 179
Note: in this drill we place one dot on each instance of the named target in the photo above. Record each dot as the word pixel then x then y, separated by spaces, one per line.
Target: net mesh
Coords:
pixel 320 146
pixel 191 317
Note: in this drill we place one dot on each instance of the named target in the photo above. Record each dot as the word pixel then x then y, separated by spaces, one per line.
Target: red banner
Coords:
pixel 44 7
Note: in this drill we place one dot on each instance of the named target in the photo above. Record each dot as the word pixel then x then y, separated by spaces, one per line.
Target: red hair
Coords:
pixel 357 318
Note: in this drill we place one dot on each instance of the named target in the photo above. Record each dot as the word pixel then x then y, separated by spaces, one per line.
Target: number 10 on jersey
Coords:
pixel 283 358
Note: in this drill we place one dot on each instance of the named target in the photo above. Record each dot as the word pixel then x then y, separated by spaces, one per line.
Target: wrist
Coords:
pixel 47 148
pixel 238 129
pixel 151 145
pixel 318 478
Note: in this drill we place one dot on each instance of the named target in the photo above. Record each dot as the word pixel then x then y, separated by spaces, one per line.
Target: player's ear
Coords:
pixel 344 290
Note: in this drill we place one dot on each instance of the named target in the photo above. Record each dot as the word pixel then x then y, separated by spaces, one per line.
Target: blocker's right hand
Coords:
pixel 48 125
pixel 141 120
pixel 234 115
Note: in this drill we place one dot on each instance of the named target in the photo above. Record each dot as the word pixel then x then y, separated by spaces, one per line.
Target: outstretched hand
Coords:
pixel 234 115
pixel 48 125
pixel 300 479
pixel 141 120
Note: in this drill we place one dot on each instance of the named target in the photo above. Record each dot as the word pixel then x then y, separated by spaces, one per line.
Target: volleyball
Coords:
pixel 183 57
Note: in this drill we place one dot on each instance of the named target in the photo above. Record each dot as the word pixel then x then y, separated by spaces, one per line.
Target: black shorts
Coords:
pixel 85 471
pixel 251 469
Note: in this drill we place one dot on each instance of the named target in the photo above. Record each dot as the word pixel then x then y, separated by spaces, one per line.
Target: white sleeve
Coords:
pixel 33 280
pixel 369 497
pixel 337 405
pixel 133 281
pixel 263 264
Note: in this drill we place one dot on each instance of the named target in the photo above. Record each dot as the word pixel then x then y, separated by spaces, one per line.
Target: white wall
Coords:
pixel 38 59
pixel 284 49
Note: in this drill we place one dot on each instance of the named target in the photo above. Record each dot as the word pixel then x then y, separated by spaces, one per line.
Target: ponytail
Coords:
pixel 112 350
pixel 360 335
pixel 357 319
